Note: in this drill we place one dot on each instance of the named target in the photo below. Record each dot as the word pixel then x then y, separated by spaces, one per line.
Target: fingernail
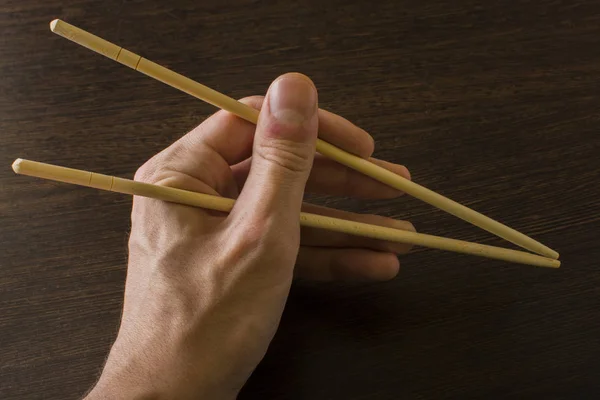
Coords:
pixel 404 225
pixel 293 99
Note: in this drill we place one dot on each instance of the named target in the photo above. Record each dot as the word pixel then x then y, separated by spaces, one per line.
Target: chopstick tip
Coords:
pixel 547 252
pixel 16 165
pixel 53 24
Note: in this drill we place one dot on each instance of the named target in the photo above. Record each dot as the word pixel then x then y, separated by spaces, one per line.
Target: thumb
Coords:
pixel 283 152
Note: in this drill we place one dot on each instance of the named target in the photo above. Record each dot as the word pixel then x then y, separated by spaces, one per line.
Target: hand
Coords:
pixel 205 291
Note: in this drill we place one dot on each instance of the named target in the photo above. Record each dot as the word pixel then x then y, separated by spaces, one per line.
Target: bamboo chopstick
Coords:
pixel 127 186
pixel 248 113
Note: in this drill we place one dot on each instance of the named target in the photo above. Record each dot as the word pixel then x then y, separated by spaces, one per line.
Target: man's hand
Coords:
pixel 205 291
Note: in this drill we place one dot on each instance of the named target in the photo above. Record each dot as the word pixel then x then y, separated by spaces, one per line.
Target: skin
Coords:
pixel 205 291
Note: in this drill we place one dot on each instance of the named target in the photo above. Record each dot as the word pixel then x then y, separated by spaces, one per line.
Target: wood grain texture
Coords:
pixel 494 104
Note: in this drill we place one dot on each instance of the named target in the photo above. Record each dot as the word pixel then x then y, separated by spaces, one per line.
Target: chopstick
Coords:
pixel 250 114
pixel 127 186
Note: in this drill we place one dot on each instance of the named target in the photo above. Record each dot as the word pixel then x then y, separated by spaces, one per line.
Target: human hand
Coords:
pixel 205 291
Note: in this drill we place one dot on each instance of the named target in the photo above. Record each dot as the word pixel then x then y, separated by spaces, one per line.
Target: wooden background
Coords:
pixel 492 103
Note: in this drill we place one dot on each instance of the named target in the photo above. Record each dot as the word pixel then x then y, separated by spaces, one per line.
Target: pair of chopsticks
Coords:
pixel 128 186
pixel 547 257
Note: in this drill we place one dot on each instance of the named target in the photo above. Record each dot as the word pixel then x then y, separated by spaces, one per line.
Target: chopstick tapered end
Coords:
pixel 16 165
pixel 53 24
pixel 548 252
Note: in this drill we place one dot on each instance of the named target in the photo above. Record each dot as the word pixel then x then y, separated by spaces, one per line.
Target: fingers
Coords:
pixel 323 264
pixel 332 178
pixel 283 152
pixel 336 130
pixel 322 238
pixel 344 134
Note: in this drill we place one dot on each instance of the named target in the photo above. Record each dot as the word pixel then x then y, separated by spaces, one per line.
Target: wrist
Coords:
pixel 118 384
pixel 132 375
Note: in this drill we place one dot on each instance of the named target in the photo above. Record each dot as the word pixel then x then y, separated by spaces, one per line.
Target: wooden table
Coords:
pixel 494 104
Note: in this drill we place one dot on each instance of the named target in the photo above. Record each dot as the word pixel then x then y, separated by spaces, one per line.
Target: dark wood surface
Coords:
pixel 494 104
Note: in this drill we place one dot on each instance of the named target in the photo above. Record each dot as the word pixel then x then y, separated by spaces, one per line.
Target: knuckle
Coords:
pixel 253 237
pixel 146 172
pixel 287 154
pixel 250 237
pixel 153 170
